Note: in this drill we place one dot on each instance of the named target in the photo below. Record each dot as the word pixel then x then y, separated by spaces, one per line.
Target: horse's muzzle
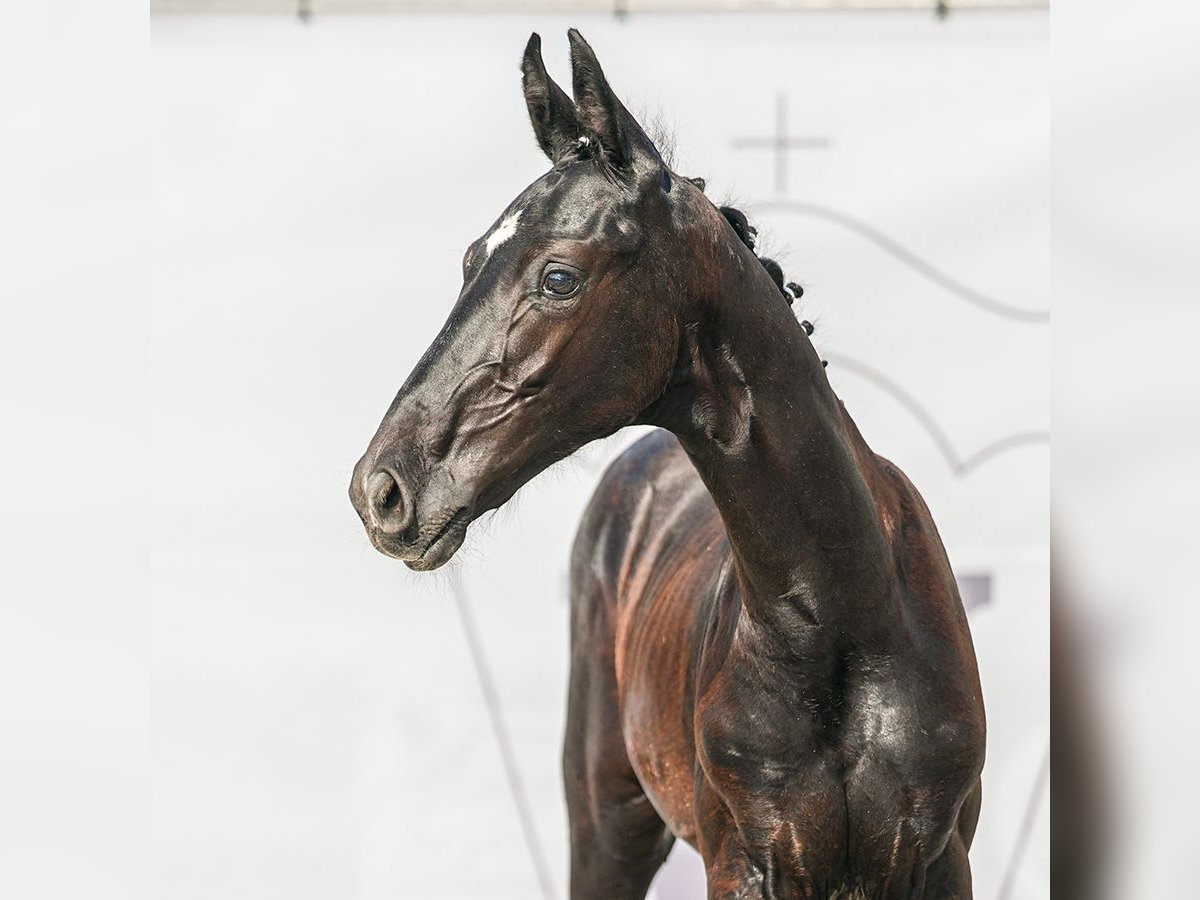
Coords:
pixel 388 510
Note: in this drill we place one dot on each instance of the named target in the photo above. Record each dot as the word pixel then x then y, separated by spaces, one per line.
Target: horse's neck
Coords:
pixel 756 414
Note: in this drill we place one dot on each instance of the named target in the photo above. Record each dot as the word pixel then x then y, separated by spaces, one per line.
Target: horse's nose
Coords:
pixel 387 504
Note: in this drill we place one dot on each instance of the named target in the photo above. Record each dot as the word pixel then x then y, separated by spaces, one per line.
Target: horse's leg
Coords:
pixel 618 841
pixel 732 876
pixel 730 873
pixel 949 877
pixel 968 815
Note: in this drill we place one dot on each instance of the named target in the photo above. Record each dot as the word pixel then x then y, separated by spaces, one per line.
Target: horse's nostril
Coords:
pixel 385 500
pixel 385 493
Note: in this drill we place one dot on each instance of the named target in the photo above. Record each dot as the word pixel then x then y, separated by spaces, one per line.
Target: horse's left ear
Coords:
pixel 603 116
pixel 551 111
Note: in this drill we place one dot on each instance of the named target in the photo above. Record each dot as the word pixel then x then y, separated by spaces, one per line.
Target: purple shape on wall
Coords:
pixel 975 589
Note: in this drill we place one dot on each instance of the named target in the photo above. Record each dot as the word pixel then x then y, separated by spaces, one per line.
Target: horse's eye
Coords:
pixel 560 283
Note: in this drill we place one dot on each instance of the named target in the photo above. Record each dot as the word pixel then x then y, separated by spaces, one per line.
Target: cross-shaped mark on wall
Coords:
pixel 782 142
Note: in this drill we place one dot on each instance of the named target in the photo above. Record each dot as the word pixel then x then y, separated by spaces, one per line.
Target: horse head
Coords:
pixel 567 326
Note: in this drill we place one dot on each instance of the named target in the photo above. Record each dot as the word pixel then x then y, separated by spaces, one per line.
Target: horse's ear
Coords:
pixel 603 116
pixel 550 110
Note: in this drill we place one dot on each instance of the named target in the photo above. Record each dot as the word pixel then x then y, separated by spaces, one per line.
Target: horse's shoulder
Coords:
pixel 929 589
pixel 906 519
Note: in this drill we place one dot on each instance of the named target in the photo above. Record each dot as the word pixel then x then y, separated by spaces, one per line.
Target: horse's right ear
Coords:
pixel 551 111
pixel 625 143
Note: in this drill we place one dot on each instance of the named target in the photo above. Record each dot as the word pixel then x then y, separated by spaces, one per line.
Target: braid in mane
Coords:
pixel 747 233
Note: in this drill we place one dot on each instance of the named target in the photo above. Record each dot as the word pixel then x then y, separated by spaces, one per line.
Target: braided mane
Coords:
pixel 747 233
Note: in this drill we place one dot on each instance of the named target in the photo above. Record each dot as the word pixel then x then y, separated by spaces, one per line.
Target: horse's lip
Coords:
pixel 444 544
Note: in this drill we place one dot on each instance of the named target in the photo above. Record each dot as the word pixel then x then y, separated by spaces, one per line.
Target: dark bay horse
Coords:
pixel 769 657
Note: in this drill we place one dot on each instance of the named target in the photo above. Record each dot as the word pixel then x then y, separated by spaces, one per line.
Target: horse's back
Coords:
pixel 647 555
pixel 649 500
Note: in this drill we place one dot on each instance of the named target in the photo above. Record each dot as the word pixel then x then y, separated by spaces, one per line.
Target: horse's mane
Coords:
pixel 789 290
pixel 748 234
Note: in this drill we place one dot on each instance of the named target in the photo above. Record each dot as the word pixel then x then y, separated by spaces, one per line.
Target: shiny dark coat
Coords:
pixel 770 659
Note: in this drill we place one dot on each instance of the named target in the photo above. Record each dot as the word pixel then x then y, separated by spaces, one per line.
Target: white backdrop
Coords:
pixel 320 727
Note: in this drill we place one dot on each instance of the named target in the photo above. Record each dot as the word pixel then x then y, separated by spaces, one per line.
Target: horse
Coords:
pixel 769 656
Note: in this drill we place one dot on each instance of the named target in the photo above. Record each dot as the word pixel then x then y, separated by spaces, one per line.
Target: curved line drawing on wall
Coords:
pixel 910 259
pixel 959 465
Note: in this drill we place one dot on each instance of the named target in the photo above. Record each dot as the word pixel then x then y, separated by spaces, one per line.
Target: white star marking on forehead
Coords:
pixel 503 232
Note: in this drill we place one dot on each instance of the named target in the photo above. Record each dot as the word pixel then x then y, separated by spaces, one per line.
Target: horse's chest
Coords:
pixel 776 773
pixel 834 799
